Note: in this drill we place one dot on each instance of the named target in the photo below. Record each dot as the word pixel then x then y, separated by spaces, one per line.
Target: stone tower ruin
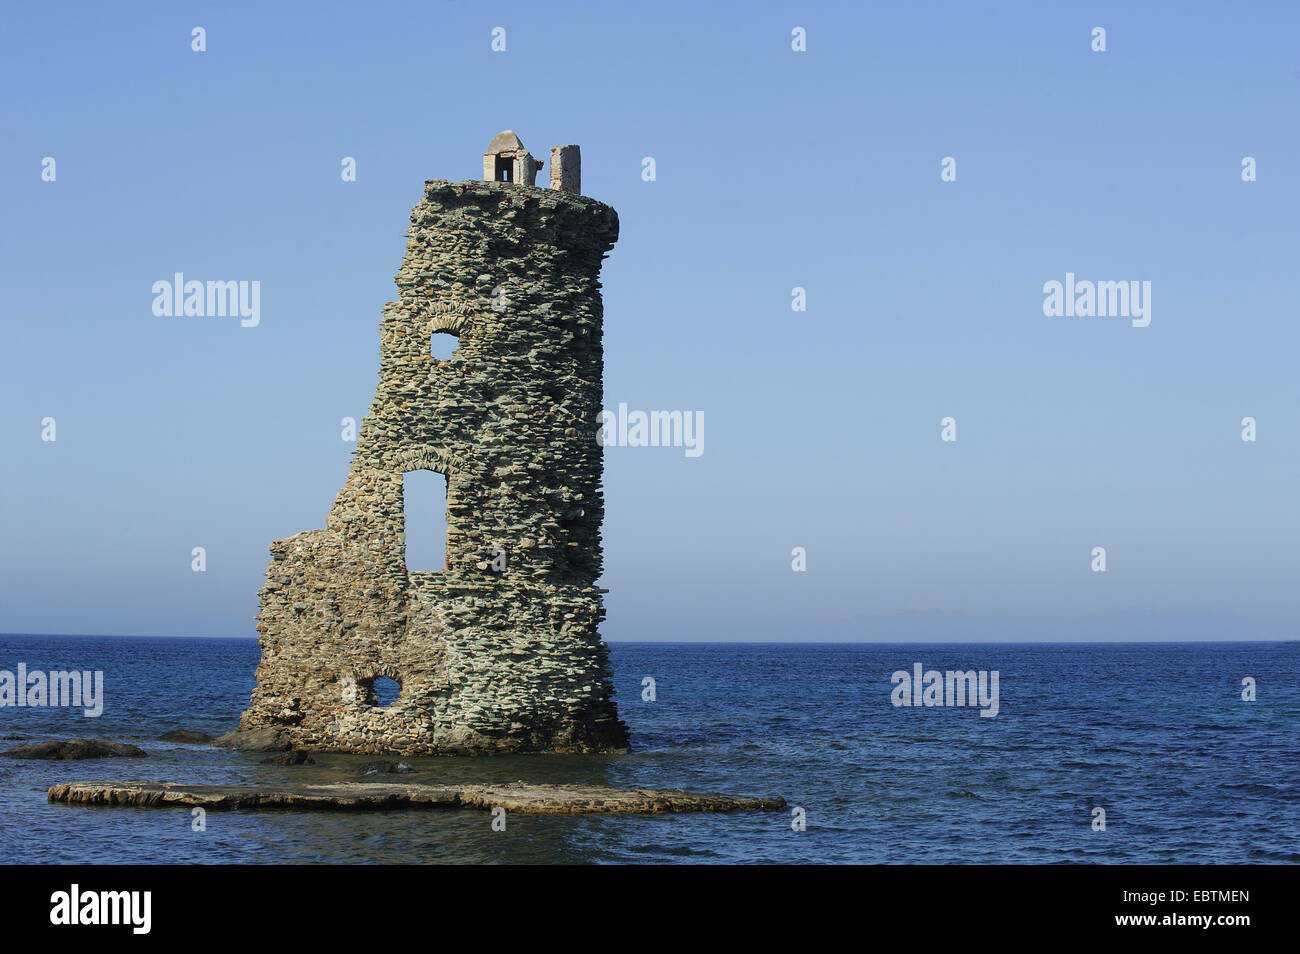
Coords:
pixel 498 651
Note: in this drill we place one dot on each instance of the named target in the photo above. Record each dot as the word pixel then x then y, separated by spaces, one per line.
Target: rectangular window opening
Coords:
pixel 424 507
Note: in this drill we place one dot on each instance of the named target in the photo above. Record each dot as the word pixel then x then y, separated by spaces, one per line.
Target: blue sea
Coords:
pixel 1156 734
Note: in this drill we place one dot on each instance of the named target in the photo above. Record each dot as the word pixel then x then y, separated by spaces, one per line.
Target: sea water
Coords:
pixel 1156 735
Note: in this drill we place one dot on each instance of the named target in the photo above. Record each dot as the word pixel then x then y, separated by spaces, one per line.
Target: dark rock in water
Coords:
pixel 292 757
pixel 361 796
pixel 385 768
pixel 255 740
pixel 76 749
pixel 185 735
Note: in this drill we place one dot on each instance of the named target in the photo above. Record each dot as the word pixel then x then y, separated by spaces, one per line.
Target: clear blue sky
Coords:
pixel 775 169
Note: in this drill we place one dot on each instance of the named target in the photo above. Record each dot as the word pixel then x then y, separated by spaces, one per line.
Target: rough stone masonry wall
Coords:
pixel 487 661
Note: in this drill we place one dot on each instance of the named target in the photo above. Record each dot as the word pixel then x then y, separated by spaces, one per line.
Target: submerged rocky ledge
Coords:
pixel 354 796
pixel 57 750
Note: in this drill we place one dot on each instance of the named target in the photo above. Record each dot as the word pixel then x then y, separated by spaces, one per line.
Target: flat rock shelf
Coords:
pixel 356 796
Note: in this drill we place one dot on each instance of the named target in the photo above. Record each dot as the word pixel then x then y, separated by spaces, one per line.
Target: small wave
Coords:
pixel 1261 788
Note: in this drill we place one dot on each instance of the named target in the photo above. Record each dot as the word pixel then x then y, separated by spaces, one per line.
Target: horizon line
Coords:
pixel 754 642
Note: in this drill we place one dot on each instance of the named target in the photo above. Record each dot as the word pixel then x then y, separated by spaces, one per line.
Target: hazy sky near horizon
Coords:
pixel 775 169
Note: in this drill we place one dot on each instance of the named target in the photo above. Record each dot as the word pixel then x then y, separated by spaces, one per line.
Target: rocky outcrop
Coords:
pixel 76 749
pixel 259 739
pixel 514 797
pixel 498 651
pixel 188 736
pixel 290 758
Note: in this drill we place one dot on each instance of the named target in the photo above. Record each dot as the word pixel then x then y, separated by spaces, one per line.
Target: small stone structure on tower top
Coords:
pixel 566 169
pixel 498 651
pixel 506 160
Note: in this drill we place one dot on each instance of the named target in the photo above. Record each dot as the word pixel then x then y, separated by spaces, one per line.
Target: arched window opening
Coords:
pixel 443 344
pixel 424 508
pixel 386 691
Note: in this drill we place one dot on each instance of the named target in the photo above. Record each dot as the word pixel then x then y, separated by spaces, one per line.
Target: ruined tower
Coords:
pixel 498 651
